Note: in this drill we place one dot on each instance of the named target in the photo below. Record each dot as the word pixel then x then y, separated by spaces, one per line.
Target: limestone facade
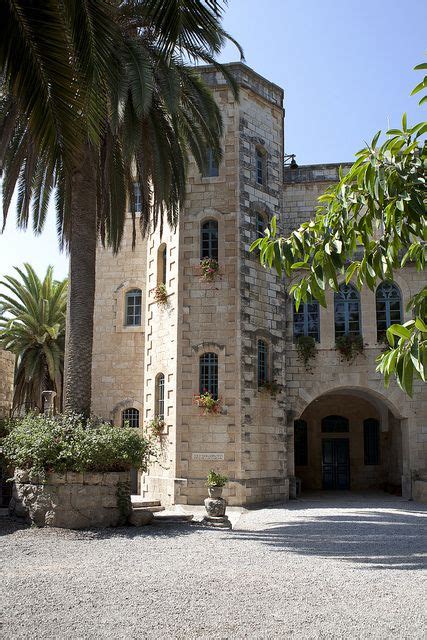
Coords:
pixel 251 440
pixel 7 367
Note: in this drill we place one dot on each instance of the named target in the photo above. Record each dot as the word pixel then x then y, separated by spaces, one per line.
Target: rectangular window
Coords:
pixel 209 374
pixel 306 320
pixel 300 443
pixel 212 169
pixel 138 199
pixel 259 167
pixel 161 396
pixel 133 308
pixel 262 363
pixel 371 441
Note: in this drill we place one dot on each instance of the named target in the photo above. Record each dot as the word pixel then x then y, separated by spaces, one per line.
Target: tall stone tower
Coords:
pixel 226 336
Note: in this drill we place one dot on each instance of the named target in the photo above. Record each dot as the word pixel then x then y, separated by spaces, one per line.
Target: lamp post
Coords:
pixel 289 161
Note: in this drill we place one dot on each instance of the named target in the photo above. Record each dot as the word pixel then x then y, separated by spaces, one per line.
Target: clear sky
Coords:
pixel 345 67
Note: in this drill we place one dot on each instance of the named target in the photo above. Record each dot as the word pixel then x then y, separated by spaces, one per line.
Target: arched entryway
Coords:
pixel 348 439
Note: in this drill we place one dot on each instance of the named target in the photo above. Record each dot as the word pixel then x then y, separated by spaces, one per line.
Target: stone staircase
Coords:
pixel 151 512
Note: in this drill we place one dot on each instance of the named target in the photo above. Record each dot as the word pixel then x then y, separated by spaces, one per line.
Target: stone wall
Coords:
pixel 7 367
pixel 70 501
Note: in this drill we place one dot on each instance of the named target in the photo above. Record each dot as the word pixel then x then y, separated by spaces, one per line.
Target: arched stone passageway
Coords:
pixel 350 439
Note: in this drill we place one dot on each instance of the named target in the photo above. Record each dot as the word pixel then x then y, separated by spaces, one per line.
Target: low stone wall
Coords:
pixel 72 500
pixel 419 490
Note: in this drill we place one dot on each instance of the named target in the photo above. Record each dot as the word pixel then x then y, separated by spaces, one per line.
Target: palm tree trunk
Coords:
pixel 81 287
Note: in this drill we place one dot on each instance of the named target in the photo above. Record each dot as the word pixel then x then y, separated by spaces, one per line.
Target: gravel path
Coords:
pixel 317 568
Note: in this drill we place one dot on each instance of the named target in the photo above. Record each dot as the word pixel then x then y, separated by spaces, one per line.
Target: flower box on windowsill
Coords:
pixel 270 387
pixel 349 346
pixel 209 270
pixel 208 405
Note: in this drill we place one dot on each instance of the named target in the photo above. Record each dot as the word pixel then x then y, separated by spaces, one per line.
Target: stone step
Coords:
pixel 154 509
pixel 172 517
pixel 137 501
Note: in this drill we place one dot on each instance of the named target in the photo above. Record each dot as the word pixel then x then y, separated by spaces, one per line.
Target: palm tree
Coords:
pixel 32 326
pixel 156 110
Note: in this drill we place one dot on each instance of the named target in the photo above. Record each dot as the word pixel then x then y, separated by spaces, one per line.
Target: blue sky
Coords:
pixel 346 71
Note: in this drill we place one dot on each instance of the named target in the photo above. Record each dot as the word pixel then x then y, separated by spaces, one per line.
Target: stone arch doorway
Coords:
pixel 349 439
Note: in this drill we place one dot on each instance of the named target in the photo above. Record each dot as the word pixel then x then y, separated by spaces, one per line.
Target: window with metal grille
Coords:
pixel 306 320
pixel 130 417
pixel 133 307
pixel 389 307
pixel 212 169
pixel 160 396
pixel 208 381
pixel 335 424
pixel 262 362
pixel 138 198
pixel 347 311
pixel 300 443
pixel 260 166
pixel 371 441
pixel 209 240
pixel 260 224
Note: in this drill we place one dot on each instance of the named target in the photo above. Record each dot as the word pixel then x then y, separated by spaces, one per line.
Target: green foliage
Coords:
pixel 367 226
pixel 271 387
pixel 209 269
pixel 156 427
pixel 161 295
pixel 215 479
pixel 32 326
pixel 306 349
pixel 349 347
pixel 69 443
pixel 207 403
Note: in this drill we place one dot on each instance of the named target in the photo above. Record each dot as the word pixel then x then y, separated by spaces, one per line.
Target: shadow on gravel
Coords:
pixel 382 539
pixel 10 526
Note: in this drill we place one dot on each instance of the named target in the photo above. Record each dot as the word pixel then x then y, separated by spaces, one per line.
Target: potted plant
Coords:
pixel 349 346
pixel 209 270
pixel 270 386
pixel 207 403
pixel 161 295
pixel 306 349
pixel 215 483
pixel 156 427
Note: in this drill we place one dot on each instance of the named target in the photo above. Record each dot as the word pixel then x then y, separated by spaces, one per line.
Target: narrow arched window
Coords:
pixel 208 380
pixel 389 307
pixel 137 197
pixel 260 225
pixel 161 264
pixel 130 418
pixel 335 424
pixel 209 240
pixel 160 396
pixel 211 169
pixel 306 320
pixel 262 362
pixel 133 306
pixel 260 166
pixel 371 441
pixel 347 311
pixel 300 443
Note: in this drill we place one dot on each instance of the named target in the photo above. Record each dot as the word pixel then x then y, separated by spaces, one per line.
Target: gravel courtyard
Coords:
pixel 320 567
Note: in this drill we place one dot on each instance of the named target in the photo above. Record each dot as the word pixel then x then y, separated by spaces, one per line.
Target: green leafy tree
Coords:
pixel 32 326
pixel 139 112
pixel 366 227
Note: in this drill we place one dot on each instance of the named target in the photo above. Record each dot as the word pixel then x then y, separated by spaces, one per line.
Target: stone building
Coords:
pixel 332 425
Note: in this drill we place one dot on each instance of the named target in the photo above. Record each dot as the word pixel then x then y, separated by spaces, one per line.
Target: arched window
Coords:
pixel 347 311
pixel 389 307
pixel 160 396
pixel 300 443
pixel 133 306
pixel 130 417
pixel 209 240
pixel 137 197
pixel 371 441
pixel 335 424
pixel 208 380
pixel 260 165
pixel 260 224
pixel 262 362
pixel 161 264
pixel 211 169
pixel 306 320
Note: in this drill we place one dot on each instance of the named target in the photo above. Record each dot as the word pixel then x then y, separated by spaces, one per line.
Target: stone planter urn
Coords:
pixel 215 492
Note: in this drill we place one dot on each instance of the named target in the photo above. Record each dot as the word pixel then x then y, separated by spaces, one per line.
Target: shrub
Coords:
pixel 215 479
pixel 62 443
pixel 349 346
pixel 306 349
pixel 161 295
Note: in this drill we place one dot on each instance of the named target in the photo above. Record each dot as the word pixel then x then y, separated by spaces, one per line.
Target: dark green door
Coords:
pixel 335 464
pixel 134 481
